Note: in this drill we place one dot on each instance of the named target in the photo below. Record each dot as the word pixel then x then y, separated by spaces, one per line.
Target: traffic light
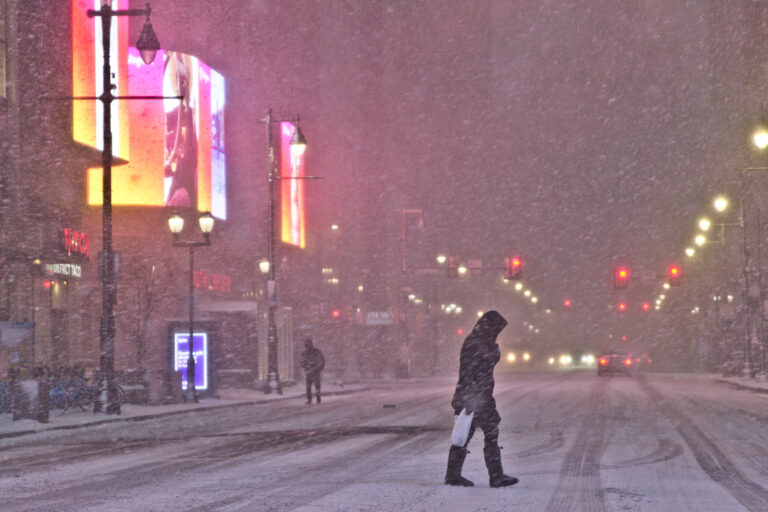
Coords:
pixel 567 303
pixel 513 268
pixel 674 275
pixel 453 269
pixel 622 307
pixel 336 314
pixel 646 306
pixel 620 278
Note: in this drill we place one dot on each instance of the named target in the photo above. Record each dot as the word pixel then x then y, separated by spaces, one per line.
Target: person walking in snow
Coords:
pixel 312 361
pixel 474 392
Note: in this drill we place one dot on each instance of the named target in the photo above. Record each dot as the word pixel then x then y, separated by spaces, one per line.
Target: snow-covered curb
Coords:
pixel 757 386
pixel 129 412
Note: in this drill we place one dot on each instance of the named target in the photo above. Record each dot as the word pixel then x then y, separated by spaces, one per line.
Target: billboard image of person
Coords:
pixel 174 148
pixel 180 162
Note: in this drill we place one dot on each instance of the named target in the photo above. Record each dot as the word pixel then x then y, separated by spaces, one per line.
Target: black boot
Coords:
pixel 497 478
pixel 456 457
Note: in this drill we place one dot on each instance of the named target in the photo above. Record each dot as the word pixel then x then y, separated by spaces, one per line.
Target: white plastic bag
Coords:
pixel 461 424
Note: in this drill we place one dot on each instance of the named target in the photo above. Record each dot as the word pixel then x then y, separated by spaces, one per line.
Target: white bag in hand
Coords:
pixel 461 424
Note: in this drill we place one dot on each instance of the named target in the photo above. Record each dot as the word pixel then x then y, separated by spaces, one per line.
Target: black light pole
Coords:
pixel 148 46
pixel 298 144
pixel 176 224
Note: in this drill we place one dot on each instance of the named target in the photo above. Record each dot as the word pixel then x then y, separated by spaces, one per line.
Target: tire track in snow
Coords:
pixel 579 487
pixel 711 459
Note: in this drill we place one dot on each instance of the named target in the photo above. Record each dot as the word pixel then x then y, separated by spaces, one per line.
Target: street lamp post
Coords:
pixel 298 145
pixel 747 278
pixel 147 46
pixel 176 225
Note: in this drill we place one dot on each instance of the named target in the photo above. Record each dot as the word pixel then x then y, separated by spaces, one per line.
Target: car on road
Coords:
pixel 611 362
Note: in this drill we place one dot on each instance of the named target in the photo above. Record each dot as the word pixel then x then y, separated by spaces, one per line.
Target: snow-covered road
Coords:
pixel 576 441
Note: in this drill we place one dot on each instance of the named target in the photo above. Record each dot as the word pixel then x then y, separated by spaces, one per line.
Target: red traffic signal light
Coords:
pixel 622 307
pixel 567 303
pixel 453 269
pixel 620 278
pixel 646 306
pixel 674 275
pixel 513 268
pixel 336 313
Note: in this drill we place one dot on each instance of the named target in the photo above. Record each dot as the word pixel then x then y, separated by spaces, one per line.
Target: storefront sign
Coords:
pixel 181 356
pixel 64 269
pixel 214 282
pixel 379 318
pixel 77 242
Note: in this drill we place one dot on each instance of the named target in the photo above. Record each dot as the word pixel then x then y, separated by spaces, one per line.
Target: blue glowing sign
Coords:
pixel 181 355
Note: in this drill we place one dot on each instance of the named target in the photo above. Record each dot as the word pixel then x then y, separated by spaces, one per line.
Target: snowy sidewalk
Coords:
pixel 756 385
pixel 234 397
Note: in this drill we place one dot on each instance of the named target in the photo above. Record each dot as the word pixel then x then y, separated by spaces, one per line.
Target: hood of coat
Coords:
pixel 308 344
pixel 490 325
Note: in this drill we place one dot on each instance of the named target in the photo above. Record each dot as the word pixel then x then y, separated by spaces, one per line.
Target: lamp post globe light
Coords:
pixel 107 400
pixel 298 146
pixel 176 225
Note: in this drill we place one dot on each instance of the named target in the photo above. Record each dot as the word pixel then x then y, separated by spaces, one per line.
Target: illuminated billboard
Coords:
pixel 292 188
pixel 174 148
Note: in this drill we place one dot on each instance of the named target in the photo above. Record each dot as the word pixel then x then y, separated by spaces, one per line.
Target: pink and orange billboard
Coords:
pixel 174 148
pixel 292 189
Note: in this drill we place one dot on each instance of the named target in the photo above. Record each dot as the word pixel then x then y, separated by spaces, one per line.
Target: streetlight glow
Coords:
pixel 690 251
pixel 176 223
pixel 441 258
pixel 700 240
pixel 760 138
pixel 721 203
pixel 704 224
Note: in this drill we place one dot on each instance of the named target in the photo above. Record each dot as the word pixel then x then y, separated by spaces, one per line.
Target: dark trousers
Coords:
pixel 489 424
pixel 313 378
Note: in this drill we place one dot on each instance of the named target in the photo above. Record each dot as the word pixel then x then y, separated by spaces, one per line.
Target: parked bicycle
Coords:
pixel 70 389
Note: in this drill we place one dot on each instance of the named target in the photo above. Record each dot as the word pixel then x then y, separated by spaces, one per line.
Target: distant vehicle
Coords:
pixel 611 362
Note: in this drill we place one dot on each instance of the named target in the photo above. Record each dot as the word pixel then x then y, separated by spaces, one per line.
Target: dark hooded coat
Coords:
pixel 479 354
pixel 312 359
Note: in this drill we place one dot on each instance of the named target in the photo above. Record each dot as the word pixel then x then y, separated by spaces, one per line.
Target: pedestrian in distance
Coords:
pixel 312 361
pixel 474 392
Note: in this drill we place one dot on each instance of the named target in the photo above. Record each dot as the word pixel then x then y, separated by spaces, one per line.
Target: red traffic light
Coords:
pixel 459 331
pixel 336 313
pixel 620 278
pixel 513 268
pixel 567 303
pixel 646 306
pixel 674 275
pixel 622 306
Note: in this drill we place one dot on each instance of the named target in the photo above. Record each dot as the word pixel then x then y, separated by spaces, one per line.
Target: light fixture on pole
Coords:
pixel 107 401
pixel 176 225
pixel 298 146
